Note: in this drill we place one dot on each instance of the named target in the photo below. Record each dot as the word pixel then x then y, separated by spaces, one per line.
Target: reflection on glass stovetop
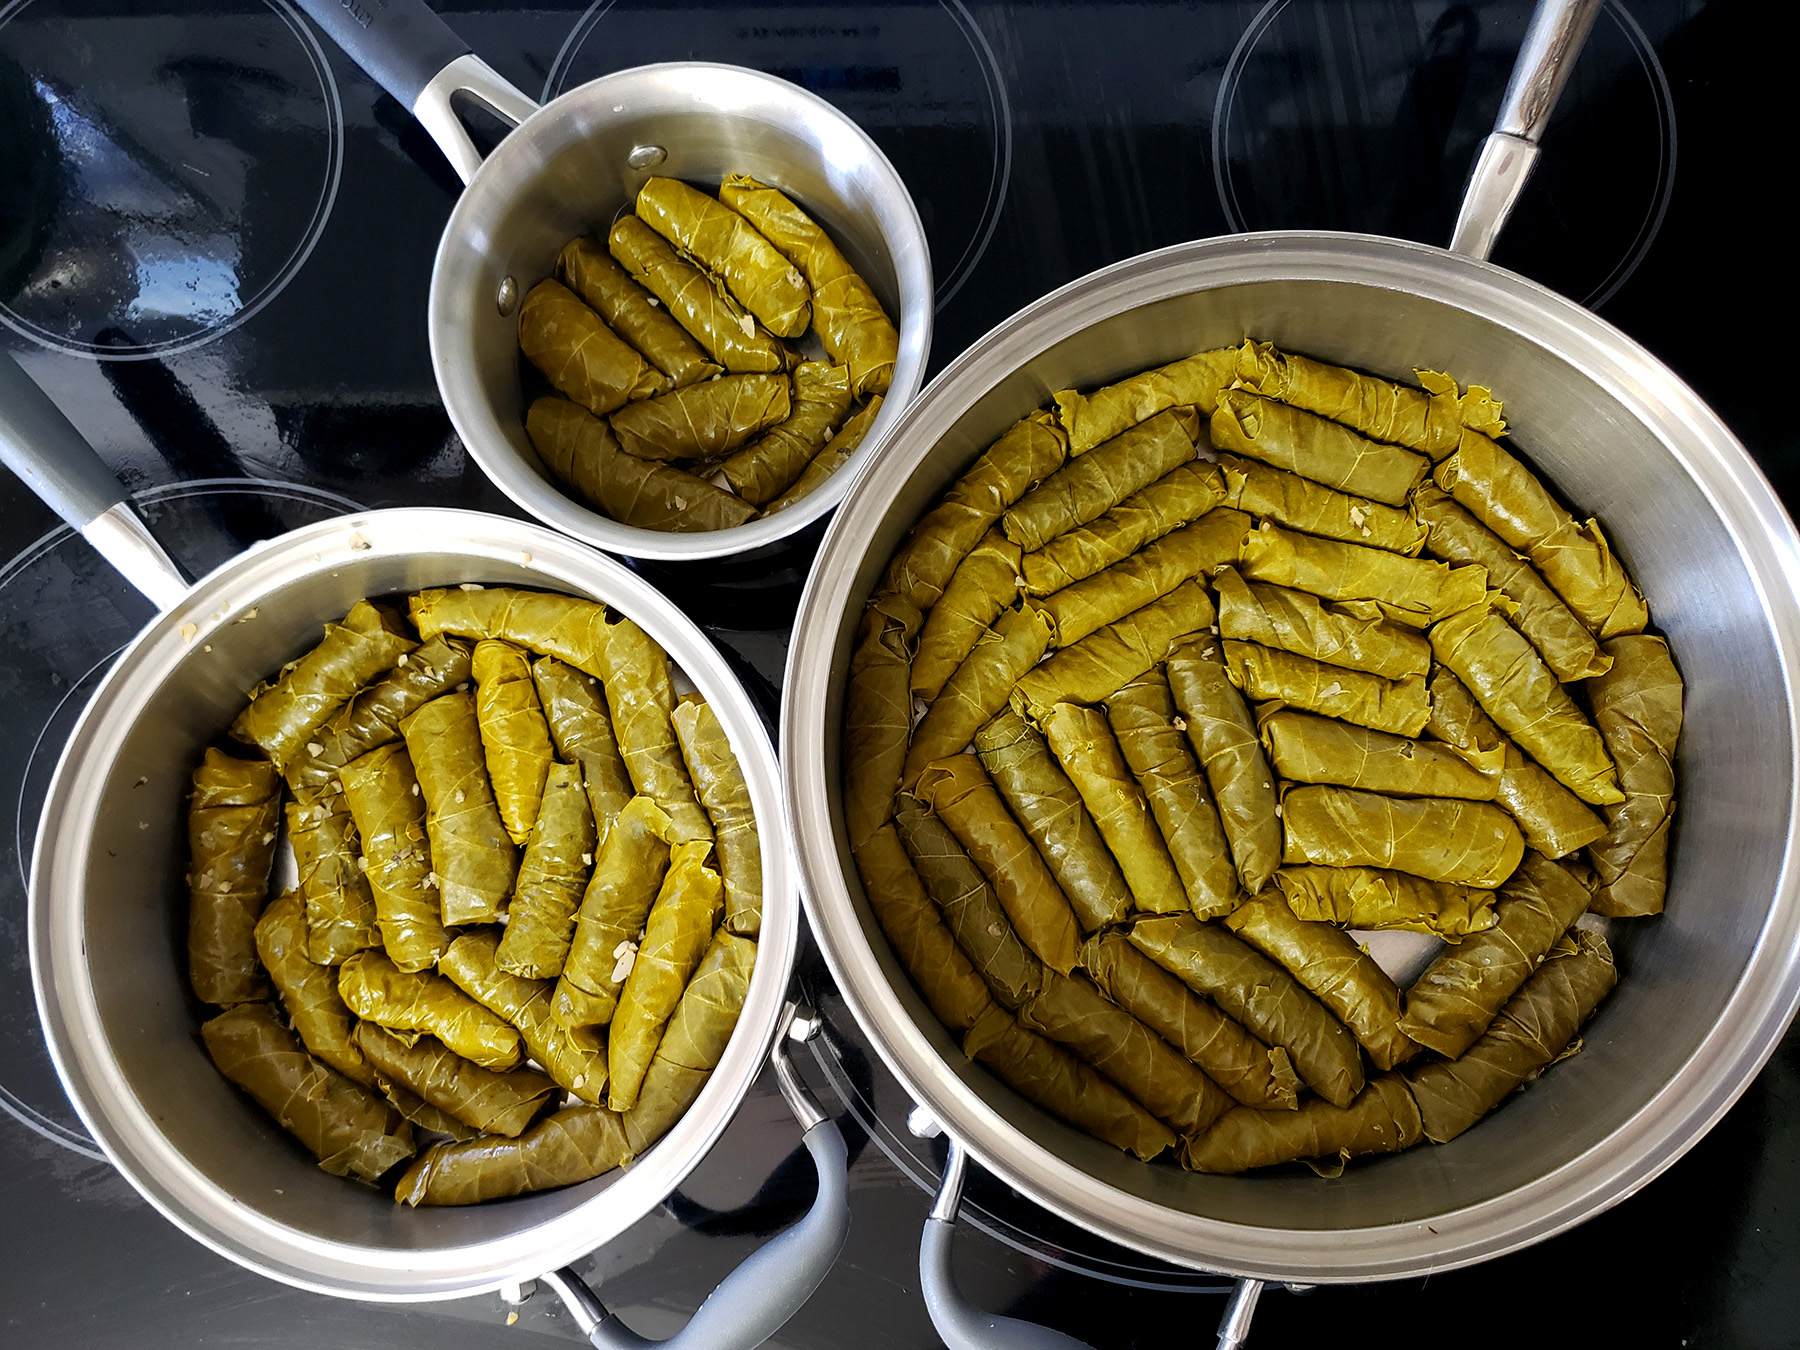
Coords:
pixel 215 243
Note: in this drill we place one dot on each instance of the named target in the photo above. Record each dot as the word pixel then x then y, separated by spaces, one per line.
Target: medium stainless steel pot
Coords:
pixel 1707 989
pixel 569 168
pixel 107 909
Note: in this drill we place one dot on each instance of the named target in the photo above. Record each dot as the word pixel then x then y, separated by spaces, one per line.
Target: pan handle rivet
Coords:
pixel 646 156
pixel 507 296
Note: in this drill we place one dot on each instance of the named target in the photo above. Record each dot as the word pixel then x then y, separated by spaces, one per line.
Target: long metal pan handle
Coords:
pixel 1559 29
pixel 963 1326
pixel 751 1304
pixel 55 461
pixel 413 54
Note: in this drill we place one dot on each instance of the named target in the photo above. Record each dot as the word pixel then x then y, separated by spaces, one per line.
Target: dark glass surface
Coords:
pixel 184 183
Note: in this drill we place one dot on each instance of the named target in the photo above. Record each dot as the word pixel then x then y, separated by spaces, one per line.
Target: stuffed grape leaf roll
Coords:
pixel 494 1103
pixel 375 989
pixel 581 729
pixel 1412 591
pixel 640 691
pixel 1143 718
pixel 1560 637
pixel 833 457
pixel 581 451
pixel 350 1130
pixel 1043 1072
pixel 581 357
pixel 877 714
pixel 995 668
pixel 472 857
pixel 1533 1030
pixel 970 908
pixel 1293 439
pixel 1260 995
pixel 1105 661
pixel 515 738
pixel 731 248
pixel 1252 1073
pixel 627 876
pixel 855 330
pixel 1553 820
pixel 1332 968
pixel 955 992
pixel 372 719
pixel 1383 1118
pixel 1400 707
pixel 577 1143
pixel 1312 508
pixel 1224 739
pixel 703 420
pixel 1050 810
pixel 575 1059
pixel 1147 576
pixel 676 934
pixel 985 582
pixel 1574 558
pixel 232 822
pixel 1294 621
pixel 340 912
pixel 1087 488
pixel 1471 843
pixel 389 808
pixel 283 714
pixel 719 781
pixel 1195 380
pixel 1308 749
pixel 767 467
pixel 1029 451
pixel 1083 744
pixel 1371 897
pixel 1073 1013
pixel 564 626
pixel 1637 706
pixel 1514 687
pixel 1453 1001
pixel 309 991
pixel 960 793
pixel 695 1039
pixel 731 337
pixel 1186 494
pixel 633 313
pixel 552 875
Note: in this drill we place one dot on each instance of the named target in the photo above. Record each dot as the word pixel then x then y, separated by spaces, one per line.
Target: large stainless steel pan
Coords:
pixel 568 168
pixel 107 905
pixel 1707 988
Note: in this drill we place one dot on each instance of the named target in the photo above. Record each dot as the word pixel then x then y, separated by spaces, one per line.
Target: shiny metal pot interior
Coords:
pixel 571 168
pixel 108 909
pixel 1706 989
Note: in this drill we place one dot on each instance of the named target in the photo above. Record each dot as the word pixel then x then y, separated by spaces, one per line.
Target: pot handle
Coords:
pixel 1558 30
pixel 751 1304
pixel 413 54
pixel 56 462
pixel 966 1327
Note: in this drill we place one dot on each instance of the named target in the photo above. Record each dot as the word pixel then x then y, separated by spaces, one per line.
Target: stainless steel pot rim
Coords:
pixel 737 89
pixel 67 1006
pixel 1760 1005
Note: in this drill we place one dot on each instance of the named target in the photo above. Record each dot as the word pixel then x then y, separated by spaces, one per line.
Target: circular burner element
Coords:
pixel 880 1105
pixel 1367 116
pixel 920 79
pixel 164 172
pixel 64 617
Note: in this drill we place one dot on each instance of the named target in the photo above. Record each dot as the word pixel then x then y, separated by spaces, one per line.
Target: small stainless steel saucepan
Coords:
pixel 568 168
pixel 108 903
pixel 1707 989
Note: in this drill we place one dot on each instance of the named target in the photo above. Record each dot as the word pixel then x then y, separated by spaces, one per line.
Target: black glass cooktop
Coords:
pixel 215 242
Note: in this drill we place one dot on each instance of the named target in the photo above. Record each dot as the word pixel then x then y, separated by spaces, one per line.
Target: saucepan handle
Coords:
pixel 1558 30
pixel 413 54
pixel 963 1326
pixel 751 1304
pixel 55 461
